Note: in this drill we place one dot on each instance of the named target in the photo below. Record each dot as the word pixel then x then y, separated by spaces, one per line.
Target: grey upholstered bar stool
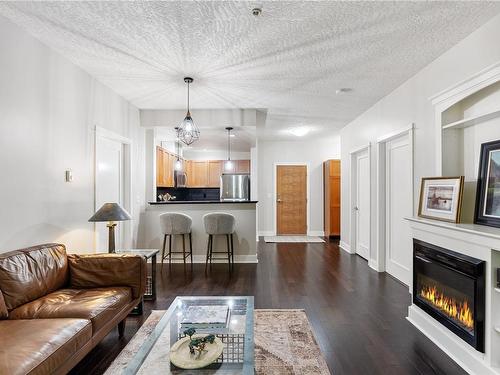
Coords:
pixel 172 224
pixel 219 223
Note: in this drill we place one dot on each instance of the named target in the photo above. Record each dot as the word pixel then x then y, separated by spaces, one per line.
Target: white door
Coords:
pixel 399 204
pixel 109 185
pixel 362 204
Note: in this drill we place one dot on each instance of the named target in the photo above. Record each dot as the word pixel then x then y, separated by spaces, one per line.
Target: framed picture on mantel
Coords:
pixel 488 186
pixel 441 198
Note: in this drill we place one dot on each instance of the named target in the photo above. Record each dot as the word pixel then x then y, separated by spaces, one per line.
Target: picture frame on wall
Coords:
pixel 487 210
pixel 441 198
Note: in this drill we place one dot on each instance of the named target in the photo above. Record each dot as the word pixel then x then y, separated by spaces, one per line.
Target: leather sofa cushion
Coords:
pixel 103 270
pixel 40 346
pixel 28 274
pixel 98 305
pixel 4 314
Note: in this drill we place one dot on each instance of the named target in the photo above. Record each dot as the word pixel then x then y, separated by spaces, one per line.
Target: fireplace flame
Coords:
pixel 459 311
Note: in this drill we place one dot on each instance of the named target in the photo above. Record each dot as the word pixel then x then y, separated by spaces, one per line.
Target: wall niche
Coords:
pixel 465 126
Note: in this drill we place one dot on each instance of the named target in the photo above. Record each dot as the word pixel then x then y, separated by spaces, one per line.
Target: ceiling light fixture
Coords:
pixel 300 131
pixel 228 166
pixel 257 11
pixel 188 131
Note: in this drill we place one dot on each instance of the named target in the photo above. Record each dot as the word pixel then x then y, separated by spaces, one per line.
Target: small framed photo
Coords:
pixel 441 198
pixel 487 210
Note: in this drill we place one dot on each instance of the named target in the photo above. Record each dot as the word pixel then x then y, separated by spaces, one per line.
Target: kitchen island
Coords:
pixel 245 236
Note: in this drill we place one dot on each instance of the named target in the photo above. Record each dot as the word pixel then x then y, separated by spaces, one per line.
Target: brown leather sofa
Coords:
pixel 54 307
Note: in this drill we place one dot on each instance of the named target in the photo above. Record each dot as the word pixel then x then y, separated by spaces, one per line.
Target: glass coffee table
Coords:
pixel 236 336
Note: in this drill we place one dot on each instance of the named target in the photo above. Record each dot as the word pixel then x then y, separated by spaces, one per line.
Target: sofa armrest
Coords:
pixel 102 270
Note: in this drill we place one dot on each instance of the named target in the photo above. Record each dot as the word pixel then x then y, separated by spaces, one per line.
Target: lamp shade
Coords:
pixel 111 212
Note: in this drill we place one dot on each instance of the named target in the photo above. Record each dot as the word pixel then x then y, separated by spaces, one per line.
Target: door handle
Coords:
pixel 278 200
pixel 356 208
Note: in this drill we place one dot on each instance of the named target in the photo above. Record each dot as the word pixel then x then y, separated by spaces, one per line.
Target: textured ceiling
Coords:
pixel 290 60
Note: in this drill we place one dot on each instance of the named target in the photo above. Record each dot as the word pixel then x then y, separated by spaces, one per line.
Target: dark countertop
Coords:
pixel 200 202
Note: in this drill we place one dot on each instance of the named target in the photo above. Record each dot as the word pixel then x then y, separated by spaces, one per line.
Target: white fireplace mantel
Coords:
pixel 480 242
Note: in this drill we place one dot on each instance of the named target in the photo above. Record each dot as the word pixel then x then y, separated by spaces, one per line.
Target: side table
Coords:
pixel 150 294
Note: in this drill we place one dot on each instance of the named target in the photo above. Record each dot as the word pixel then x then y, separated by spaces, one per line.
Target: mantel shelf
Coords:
pixel 470 121
pixel 497 290
pixel 480 230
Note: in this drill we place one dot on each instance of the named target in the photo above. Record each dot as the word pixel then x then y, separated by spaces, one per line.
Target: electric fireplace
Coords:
pixel 450 287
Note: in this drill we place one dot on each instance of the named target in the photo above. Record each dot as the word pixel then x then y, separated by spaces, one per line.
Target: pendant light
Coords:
pixel 178 163
pixel 188 132
pixel 228 166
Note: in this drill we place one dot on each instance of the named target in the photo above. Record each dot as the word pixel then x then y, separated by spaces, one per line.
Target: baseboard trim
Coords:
pixel 373 265
pixel 316 233
pixel 345 246
pixel 202 259
pixel 466 357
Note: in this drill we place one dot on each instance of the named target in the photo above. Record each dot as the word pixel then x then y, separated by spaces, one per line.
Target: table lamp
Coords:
pixel 111 212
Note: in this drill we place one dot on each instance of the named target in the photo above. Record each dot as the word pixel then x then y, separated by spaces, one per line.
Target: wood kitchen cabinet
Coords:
pixel 242 166
pixel 198 174
pixel 331 177
pixel 214 173
pixel 165 162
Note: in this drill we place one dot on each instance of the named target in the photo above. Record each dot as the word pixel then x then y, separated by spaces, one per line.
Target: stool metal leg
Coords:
pixel 228 252
pixel 183 249
pixel 191 247
pixel 163 250
pixel 232 250
pixel 170 249
pixel 208 251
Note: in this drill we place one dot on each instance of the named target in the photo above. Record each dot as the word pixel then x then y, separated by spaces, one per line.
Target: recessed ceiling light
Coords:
pixel 300 131
pixel 342 90
pixel 257 11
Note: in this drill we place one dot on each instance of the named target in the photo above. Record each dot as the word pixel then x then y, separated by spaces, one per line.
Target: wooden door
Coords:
pixel 214 173
pixel 332 197
pixel 243 166
pixel 291 199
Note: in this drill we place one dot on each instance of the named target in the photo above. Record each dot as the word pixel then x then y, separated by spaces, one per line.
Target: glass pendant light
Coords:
pixel 228 165
pixel 178 163
pixel 188 131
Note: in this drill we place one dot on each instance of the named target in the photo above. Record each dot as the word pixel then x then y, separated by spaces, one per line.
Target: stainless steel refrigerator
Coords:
pixel 235 187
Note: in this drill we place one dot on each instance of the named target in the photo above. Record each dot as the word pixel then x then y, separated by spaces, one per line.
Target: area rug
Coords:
pixel 284 344
pixel 292 239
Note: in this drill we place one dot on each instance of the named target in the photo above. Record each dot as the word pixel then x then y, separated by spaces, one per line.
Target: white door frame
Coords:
pixel 378 264
pixel 353 193
pixel 102 133
pixel 275 193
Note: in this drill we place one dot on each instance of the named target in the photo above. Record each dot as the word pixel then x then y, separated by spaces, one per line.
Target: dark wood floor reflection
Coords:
pixel 357 314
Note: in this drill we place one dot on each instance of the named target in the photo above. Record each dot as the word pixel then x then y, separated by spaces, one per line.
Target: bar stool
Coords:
pixel 176 224
pixel 219 223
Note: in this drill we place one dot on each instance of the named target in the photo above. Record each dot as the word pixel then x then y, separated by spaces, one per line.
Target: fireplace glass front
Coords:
pixel 450 287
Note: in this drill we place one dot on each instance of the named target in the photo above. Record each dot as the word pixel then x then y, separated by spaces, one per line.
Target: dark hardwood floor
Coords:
pixel 357 314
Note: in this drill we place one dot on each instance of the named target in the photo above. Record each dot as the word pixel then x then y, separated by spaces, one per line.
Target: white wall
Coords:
pixel 313 152
pixel 48 110
pixel 410 103
pixel 214 155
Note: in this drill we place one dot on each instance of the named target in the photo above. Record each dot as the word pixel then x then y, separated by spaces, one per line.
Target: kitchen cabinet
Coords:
pixel 205 173
pixel 165 162
pixel 331 178
pixel 242 166
pixel 198 174
pixel 214 173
